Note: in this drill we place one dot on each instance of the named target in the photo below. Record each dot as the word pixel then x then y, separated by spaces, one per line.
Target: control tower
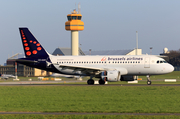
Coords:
pixel 74 24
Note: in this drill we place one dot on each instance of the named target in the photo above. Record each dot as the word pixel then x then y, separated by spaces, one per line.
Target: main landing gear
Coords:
pixel 91 82
pixel 148 80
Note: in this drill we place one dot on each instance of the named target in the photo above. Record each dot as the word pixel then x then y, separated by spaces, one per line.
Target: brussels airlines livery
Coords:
pixel 106 68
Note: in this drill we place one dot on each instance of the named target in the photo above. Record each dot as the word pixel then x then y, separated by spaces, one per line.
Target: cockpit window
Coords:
pixel 161 61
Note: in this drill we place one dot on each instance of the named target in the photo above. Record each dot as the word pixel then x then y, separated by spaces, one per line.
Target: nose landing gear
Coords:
pixel 148 80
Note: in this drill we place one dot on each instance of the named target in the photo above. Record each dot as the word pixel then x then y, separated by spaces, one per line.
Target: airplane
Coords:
pixel 107 68
pixel 6 76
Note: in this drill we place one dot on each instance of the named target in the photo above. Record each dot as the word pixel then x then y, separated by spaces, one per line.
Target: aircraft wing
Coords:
pixel 84 69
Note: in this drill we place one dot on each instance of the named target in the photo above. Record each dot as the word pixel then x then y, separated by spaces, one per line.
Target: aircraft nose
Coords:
pixel 171 68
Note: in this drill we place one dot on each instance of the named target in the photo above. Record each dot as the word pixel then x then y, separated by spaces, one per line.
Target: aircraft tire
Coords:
pixel 90 82
pixel 101 82
pixel 149 82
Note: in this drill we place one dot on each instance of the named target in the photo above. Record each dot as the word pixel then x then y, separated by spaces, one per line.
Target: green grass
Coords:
pixel 13 116
pixel 97 98
pixel 90 99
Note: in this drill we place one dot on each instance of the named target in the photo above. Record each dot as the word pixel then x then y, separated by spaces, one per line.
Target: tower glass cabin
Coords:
pixel 74 22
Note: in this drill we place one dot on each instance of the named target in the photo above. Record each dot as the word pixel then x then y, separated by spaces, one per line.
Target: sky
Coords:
pixel 108 25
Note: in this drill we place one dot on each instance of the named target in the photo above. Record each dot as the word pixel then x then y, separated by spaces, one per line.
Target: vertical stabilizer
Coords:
pixel 32 48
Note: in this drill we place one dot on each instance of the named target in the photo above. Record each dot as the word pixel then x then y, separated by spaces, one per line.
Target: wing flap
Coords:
pixel 80 68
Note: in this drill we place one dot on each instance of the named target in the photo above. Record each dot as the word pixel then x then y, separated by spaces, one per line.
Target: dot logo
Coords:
pixel 31 47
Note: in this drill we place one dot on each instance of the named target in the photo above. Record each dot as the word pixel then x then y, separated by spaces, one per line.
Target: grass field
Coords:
pixel 85 117
pixel 90 99
pixel 97 98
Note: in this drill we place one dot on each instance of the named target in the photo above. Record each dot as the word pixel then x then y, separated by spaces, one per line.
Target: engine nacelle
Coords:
pixel 127 78
pixel 110 75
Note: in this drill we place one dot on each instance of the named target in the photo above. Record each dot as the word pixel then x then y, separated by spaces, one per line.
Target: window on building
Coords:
pixel 79 17
pixel 69 18
pixel 74 17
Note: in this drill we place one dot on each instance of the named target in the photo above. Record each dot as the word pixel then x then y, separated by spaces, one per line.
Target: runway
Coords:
pixel 70 83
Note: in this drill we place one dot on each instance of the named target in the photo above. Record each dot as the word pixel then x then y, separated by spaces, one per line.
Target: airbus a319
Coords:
pixel 106 68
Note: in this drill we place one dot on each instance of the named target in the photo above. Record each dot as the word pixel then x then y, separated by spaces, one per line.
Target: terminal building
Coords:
pixel 23 70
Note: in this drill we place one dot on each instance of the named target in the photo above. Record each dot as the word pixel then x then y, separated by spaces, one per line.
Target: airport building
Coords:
pixel 22 70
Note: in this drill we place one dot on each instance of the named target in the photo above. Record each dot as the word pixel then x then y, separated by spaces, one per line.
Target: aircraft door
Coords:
pixel 147 62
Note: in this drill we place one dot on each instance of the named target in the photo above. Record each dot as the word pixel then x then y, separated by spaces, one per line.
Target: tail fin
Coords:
pixel 32 48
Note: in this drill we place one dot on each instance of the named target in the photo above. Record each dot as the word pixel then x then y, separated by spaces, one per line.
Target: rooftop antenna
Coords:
pixel 75 6
pixel 79 8
pixel 136 42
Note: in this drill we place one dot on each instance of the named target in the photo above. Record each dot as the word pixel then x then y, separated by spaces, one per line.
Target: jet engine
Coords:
pixel 110 76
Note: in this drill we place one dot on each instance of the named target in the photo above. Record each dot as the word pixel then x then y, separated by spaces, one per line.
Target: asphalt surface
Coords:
pixel 70 83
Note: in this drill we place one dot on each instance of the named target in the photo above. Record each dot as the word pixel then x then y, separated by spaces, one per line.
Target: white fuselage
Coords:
pixel 126 64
